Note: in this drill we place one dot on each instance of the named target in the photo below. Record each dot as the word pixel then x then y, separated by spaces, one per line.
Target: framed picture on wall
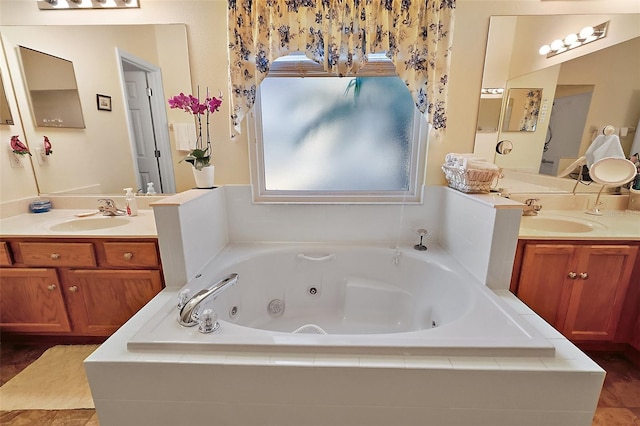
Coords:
pixel 104 102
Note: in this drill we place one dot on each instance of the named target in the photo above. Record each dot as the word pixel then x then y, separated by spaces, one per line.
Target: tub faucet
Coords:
pixel 108 207
pixel 188 312
pixel 532 208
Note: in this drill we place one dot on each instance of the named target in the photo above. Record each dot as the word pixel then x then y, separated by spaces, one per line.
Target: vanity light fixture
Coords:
pixel 86 4
pixel 491 92
pixel 571 41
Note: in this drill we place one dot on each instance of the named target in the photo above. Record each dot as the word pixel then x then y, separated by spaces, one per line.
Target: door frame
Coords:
pixel 159 115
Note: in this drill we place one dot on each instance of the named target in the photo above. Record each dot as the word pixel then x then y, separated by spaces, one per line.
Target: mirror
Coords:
pixel 579 95
pixel 104 156
pixel 521 111
pixel 5 112
pixel 52 88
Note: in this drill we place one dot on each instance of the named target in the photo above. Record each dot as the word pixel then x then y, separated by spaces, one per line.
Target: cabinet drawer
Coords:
pixel 125 254
pixel 5 255
pixel 58 254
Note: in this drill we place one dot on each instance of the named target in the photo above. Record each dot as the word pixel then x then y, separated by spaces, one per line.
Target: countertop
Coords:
pixel 59 223
pixel 579 225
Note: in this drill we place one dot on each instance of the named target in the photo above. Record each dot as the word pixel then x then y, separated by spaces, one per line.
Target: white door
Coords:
pixel 566 125
pixel 141 120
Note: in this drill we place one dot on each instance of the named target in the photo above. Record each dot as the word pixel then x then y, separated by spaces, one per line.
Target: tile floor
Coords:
pixel 619 403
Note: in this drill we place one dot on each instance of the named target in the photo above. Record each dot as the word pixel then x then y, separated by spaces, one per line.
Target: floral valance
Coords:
pixel 416 36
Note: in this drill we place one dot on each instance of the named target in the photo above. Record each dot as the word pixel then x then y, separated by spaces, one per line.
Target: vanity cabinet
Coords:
pixel 79 287
pixel 579 288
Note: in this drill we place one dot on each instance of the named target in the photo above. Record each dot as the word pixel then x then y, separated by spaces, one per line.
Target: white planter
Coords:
pixel 204 176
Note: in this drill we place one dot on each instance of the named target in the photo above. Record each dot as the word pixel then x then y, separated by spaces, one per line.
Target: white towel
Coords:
pixel 604 146
pixel 468 162
pixel 635 146
pixel 185 136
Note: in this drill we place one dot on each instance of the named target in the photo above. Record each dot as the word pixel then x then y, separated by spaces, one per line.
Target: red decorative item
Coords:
pixel 18 147
pixel 47 146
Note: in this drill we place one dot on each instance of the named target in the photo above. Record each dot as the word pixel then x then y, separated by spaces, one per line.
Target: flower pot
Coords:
pixel 204 176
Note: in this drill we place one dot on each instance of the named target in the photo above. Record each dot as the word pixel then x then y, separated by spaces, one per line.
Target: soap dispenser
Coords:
pixel 150 189
pixel 131 203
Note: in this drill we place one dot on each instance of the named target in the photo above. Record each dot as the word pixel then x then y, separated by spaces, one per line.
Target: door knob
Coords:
pixel 128 256
pixel 572 275
pixel 73 288
pixel 55 256
pixel 584 275
pixel 51 287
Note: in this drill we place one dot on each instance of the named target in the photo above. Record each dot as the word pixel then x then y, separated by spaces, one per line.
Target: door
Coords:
pixel 100 301
pixel 597 298
pixel 31 301
pixel 564 135
pixel 141 119
pixel 544 285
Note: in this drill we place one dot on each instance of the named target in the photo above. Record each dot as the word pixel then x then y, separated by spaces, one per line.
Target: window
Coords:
pixel 320 138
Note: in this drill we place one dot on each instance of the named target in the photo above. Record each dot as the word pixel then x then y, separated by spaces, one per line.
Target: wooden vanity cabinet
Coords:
pixel 579 288
pixel 79 287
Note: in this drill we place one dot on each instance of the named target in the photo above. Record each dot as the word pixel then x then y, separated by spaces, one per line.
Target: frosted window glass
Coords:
pixel 336 134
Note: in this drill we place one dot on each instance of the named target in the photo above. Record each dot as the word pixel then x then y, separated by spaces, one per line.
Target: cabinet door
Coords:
pixel 31 301
pixel 100 301
pixel 597 297
pixel 544 285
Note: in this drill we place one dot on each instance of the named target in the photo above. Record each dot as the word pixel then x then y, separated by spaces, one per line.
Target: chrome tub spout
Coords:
pixel 188 311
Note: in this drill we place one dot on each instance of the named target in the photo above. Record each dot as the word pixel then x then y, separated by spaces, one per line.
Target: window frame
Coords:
pixel 298 65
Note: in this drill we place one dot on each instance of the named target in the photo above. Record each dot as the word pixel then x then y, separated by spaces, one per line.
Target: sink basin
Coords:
pixel 559 224
pixel 89 224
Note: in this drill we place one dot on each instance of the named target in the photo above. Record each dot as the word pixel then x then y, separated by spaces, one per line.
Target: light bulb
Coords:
pixel 586 32
pixel 570 39
pixel 557 44
pixel 544 49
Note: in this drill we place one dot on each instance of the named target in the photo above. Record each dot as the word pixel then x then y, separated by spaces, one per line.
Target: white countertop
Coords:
pixel 44 225
pixel 612 225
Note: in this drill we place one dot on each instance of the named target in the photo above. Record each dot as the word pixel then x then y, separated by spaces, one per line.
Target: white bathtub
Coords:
pixel 346 299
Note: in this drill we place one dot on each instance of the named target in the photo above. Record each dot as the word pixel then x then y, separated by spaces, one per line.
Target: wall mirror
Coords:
pixel 5 112
pixel 104 156
pixel 52 88
pixel 578 94
pixel 521 110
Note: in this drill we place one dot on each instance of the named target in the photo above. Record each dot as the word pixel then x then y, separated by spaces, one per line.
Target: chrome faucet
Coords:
pixel 188 312
pixel 108 207
pixel 532 208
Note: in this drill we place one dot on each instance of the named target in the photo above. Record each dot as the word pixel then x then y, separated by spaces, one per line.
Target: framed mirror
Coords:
pixel 522 110
pixel 52 88
pixel 5 112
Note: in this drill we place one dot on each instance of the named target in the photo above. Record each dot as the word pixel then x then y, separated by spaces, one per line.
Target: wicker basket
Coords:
pixel 472 180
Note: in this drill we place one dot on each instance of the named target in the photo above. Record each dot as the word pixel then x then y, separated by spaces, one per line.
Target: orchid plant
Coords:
pixel 200 156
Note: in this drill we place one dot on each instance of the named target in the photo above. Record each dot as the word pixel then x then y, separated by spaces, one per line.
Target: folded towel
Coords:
pixel 604 146
pixel 185 136
pixel 468 162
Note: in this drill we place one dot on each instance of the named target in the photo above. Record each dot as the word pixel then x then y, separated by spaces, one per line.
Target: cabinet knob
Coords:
pixel 584 275
pixel 55 256
pixel 73 288
pixel 572 275
pixel 128 256
pixel 51 287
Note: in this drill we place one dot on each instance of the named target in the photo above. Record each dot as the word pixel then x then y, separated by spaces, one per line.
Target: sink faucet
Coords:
pixel 532 208
pixel 188 312
pixel 108 207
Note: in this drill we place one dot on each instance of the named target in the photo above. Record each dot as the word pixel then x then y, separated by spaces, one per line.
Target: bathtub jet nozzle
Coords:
pixel 188 311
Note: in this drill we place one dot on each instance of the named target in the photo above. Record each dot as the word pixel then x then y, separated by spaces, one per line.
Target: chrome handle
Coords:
pixel 55 256
pixel 128 256
pixel 572 275
pixel 584 275
pixel 73 288
pixel 51 287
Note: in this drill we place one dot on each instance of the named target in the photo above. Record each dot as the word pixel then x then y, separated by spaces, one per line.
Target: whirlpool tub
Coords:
pixel 346 299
